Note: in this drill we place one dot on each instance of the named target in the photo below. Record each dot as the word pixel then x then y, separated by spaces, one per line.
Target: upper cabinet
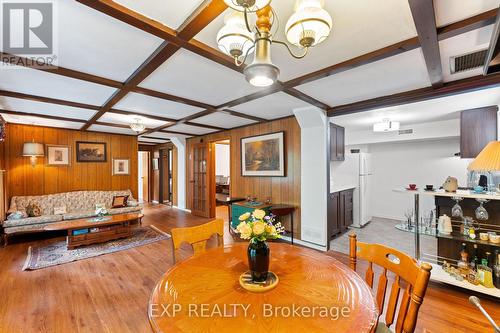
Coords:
pixel 478 127
pixel 337 143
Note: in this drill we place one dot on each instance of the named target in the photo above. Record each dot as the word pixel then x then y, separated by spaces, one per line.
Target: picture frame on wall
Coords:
pixel 91 151
pixel 121 167
pixel 58 155
pixel 263 155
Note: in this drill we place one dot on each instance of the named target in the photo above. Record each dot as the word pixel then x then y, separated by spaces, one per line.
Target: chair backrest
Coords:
pixel 198 236
pixel 405 268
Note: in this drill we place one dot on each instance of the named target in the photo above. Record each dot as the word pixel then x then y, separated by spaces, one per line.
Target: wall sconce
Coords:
pixel 33 150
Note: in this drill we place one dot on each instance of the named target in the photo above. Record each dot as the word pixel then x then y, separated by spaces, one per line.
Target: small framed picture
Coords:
pixel 121 166
pixel 155 163
pixel 58 155
pixel 90 151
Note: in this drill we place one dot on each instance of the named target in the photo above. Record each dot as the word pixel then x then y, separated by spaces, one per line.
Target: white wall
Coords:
pixel 180 144
pixel 421 162
pixel 313 176
pixel 222 157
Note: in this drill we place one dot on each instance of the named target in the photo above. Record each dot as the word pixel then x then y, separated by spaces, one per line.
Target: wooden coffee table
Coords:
pixel 87 231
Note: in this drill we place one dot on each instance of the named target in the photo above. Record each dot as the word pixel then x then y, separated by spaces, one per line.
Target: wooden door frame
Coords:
pixel 212 151
pixel 150 171
pixel 190 178
pixel 161 195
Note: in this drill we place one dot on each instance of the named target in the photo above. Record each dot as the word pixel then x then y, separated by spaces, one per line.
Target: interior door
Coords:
pixel 199 182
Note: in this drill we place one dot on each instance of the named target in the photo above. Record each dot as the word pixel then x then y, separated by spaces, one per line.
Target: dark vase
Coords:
pixel 258 260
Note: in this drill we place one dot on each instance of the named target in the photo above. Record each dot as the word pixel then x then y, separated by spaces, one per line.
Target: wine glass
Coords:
pixel 456 210
pixel 481 213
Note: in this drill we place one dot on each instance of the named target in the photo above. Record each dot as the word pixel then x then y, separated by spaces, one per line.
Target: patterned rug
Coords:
pixel 57 253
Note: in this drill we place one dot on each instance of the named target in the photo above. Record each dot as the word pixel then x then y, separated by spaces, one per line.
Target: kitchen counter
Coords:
pixel 459 193
pixel 338 188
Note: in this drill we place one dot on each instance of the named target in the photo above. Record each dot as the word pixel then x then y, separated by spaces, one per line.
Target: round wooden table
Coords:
pixel 316 293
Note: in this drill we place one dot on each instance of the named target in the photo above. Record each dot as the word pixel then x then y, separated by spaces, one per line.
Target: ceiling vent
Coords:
pixel 467 61
pixel 406 131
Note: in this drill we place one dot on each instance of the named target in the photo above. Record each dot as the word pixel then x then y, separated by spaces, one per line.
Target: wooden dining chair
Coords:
pixel 198 236
pixel 406 269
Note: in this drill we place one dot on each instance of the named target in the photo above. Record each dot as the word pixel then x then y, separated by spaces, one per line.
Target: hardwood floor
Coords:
pixel 110 293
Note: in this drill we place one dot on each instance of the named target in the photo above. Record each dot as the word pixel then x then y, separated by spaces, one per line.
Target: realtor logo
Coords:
pixel 27 28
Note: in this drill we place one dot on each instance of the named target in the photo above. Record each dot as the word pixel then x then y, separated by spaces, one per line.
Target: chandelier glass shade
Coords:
pixel 310 25
pixel 138 126
pixel 234 38
pixel 248 5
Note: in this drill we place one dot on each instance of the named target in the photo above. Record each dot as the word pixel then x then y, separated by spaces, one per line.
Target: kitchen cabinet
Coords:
pixel 477 128
pixel 337 143
pixel 340 212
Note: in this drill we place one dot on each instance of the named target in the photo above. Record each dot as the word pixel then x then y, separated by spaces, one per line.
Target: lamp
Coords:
pixel 138 126
pixel 33 150
pixel 487 161
pixel 234 38
pixel 247 5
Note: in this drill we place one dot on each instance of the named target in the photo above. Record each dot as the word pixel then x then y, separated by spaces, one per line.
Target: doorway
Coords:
pixel 166 176
pixel 143 188
pixel 222 174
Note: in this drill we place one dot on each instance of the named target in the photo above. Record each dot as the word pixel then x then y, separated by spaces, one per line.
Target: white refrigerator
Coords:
pixel 355 171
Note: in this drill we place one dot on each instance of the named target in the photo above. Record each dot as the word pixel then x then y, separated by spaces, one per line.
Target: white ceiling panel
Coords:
pixel 142 139
pixel 422 112
pixel 459 45
pixel 272 106
pixel 222 119
pixel 171 13
pixel 166 135
pixel 110 129
pixel 124 119
pixel 156 106
pixel 195 130
pixel 23 105
pixel 31 120
pixel 95 43
pixel 191 76
pixel 358 28
pixel 449 11
pixel 406 71
pixel 35 82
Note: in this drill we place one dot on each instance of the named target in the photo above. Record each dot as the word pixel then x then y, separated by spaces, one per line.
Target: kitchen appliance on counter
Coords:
pixel 355 169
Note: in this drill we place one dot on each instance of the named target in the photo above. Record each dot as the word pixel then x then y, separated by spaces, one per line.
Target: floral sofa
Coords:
pixel 79 204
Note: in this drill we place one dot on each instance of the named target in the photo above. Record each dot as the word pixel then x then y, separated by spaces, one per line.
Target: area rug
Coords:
pixel 57 253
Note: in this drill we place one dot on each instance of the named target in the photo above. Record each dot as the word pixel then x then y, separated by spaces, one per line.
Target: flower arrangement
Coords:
pixel 101 211
pixel 257 226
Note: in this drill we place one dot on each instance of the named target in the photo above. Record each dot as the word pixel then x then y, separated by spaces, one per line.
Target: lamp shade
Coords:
pixel 309 25
pixel 33 149
pixel 488 159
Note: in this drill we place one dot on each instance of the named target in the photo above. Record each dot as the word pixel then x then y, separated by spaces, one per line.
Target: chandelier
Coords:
pixel 138 126
pixel 308 26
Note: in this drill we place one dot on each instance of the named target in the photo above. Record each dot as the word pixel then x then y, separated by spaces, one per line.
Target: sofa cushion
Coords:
pixel 79 215
pixel 124 210
pixel 32 220
pixel 26 228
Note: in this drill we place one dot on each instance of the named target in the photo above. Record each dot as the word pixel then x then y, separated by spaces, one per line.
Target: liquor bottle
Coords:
pixel 496 270
pixel 475 259
pixel 487 260
pixel 463 263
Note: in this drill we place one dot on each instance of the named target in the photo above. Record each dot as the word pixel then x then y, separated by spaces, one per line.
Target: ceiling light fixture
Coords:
pixel 138 126
pixel 309 26
pixel 386 126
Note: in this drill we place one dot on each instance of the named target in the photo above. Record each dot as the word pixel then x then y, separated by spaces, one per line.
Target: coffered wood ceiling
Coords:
pixel 159 60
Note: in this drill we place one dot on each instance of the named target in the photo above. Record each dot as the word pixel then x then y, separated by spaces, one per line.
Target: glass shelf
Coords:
pixel 462 238
pixel 421 230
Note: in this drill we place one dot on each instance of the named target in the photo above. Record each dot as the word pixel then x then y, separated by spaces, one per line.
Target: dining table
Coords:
pixel 315 293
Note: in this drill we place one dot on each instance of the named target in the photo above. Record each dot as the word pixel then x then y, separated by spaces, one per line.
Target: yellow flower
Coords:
pixel 269 229
pixel 245 231
pixel 259 228
pixel 259 214
pixel 244 217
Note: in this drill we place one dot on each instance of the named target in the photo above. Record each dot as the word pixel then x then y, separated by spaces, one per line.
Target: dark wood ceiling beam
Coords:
pixel 206 12
pixel 179 133
pixel 153 138
pixel 217 128
pixel 448 89
pixel 277 87
pixel 212 54
pixel 48 100
pixel 44 116
pixel 162 95
pixel 425 23
pixel 306 98
pixel 141 114
pixel 103 123
pixel 472 23
pixel 108 105
pixel 243 115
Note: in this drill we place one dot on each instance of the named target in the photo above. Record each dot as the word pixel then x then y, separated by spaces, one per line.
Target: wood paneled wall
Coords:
pixel 284 190
pixel 43 179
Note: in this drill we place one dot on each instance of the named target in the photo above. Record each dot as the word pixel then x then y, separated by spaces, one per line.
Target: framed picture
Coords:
pixel 91 151
pixel 155 163
pixel 121 166
pixel 263 155
pixel 58 155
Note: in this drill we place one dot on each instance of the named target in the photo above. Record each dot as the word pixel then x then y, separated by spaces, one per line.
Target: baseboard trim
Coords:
pixel 183 209
pixel 306 244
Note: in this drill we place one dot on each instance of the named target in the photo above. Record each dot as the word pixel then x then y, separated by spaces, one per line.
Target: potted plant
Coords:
pixel 258 228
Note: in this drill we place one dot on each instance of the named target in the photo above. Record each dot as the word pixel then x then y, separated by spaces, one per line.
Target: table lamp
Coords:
pixel 488 161
pixel 33 150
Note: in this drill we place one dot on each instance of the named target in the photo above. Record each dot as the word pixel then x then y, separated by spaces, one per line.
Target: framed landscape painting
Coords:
pixel 58 155
pixel 90 151
pixel 263 155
